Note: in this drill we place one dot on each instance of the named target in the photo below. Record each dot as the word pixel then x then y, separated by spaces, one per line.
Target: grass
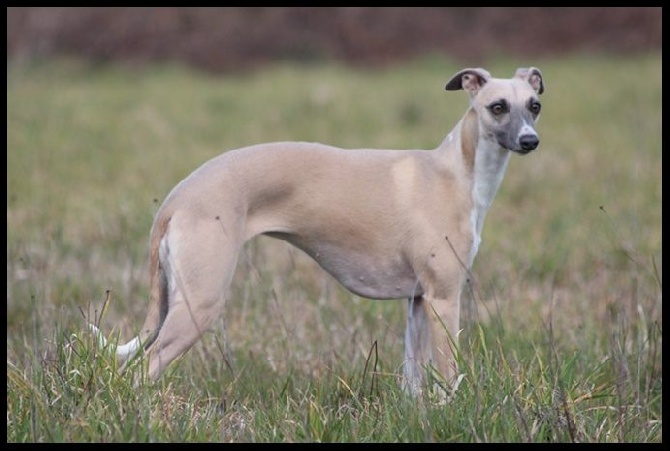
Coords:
pixel 562 328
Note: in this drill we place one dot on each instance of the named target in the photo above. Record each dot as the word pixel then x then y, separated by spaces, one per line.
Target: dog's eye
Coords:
pixel 535 107
pixel 498 108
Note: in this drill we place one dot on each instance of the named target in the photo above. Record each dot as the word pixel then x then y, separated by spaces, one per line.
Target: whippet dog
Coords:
pixel 387 224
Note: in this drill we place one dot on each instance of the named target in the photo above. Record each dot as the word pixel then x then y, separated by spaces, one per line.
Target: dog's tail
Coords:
pixel 158 299
pixel 123 352
pixel 158 285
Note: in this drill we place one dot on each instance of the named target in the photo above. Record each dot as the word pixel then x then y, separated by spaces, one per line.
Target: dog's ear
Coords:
pixel 469 79
pixel 533 76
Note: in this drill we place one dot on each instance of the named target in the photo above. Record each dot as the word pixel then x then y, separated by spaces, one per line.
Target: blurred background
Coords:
pixel 229 39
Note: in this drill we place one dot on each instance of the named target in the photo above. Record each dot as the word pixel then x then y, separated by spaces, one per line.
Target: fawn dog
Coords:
pixel 387 224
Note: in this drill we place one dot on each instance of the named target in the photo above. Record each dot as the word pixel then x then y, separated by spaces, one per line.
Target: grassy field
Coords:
pixel 562 330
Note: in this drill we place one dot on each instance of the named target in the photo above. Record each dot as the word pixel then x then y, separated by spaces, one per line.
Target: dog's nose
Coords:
pixel 529 142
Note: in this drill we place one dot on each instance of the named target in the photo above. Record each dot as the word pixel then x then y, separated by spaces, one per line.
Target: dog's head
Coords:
pixel 507 108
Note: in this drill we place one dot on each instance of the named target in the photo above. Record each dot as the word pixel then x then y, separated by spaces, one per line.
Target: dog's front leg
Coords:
pixel 430 344
pixel 418 347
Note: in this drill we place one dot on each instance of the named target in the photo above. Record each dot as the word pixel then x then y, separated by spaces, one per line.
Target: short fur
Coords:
pixel 387 224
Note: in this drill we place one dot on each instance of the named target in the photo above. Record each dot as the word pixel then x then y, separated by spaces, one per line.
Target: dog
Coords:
pixel 387 224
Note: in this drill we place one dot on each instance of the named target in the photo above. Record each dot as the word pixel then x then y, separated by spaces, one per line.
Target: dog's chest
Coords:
pixel 488 172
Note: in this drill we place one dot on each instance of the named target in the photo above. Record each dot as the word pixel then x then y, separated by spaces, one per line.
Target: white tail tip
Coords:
pixel 124 352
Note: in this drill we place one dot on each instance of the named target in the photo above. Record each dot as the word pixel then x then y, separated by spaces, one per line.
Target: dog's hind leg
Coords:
pixel 198 256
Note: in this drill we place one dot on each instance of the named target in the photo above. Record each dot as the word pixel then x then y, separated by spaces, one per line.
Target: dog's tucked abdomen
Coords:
pixel 380 276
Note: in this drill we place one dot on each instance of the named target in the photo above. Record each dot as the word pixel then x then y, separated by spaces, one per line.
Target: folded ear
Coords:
pixel 533 76
pixel 469 79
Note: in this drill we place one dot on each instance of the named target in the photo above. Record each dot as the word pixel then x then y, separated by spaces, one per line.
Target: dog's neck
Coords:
pixel 491 162
pixel 483 163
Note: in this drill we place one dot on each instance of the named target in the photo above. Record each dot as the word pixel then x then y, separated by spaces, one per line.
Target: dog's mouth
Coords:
pixel 523 151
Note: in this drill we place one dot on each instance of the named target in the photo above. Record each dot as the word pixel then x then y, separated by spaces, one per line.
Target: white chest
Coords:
pixel 488 172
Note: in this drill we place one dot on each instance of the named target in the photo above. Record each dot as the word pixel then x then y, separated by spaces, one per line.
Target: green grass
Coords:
pixel 562 332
